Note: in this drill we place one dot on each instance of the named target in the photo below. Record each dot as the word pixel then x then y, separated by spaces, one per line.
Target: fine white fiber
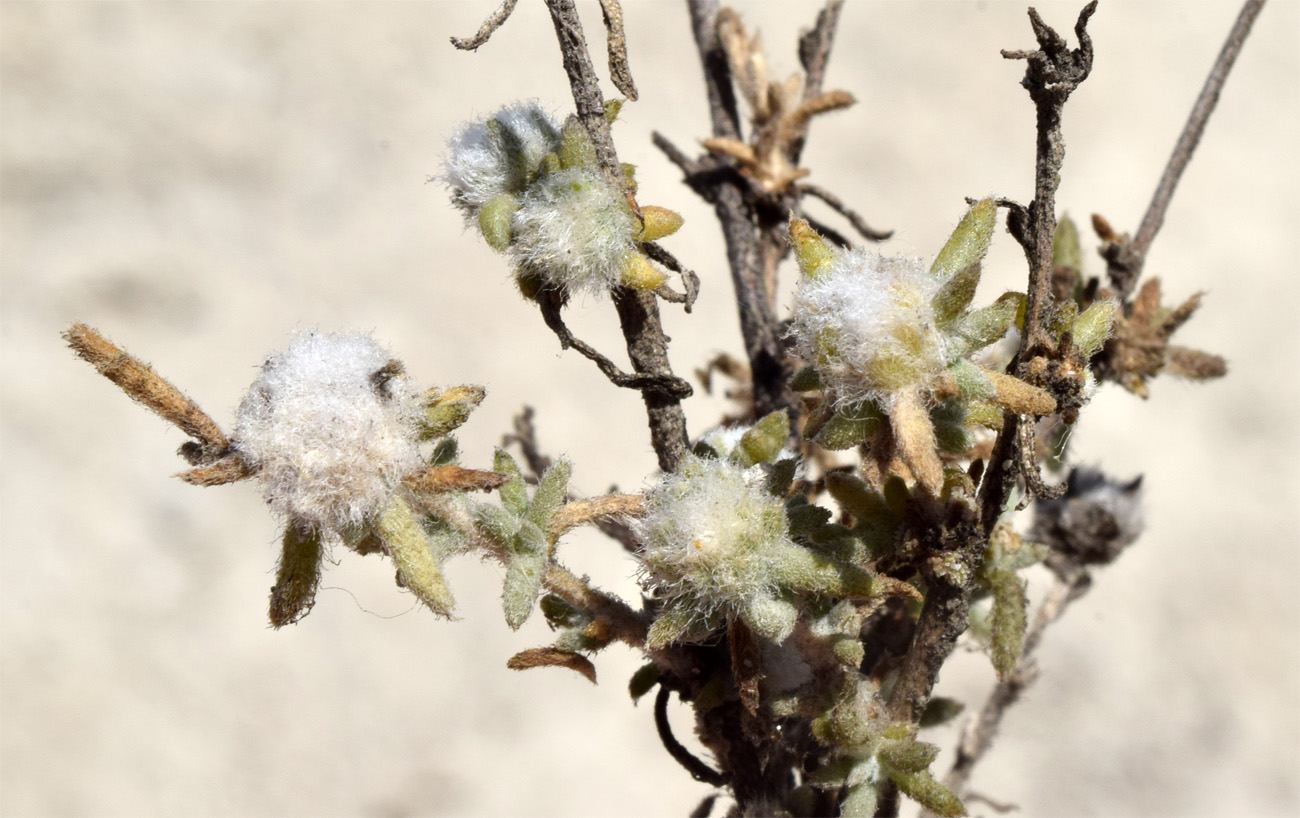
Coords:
pixel 330 426
pixel 868 325
pixel 486 160
pixel 574 231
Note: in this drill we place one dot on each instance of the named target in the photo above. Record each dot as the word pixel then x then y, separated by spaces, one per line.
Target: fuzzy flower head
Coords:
pixel 330 426
pixel 889 338
pixel 535 190
pixel 575 232
pixel 709 531
pixel 498 155
pixel 868 323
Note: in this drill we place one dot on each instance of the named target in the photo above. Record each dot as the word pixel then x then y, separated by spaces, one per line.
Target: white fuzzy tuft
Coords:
pixel 481 164
pixel 868 325
pixel 708 533
pixel 574 231
pixel 331 430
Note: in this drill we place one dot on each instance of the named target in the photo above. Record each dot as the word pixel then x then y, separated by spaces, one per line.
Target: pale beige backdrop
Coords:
pixel 199 180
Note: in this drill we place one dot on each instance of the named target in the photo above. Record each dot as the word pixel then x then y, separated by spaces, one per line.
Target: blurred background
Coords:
pixel 198 180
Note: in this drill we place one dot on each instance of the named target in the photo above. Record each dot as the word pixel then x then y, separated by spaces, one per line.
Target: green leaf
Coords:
pixel 444 541
pixel 576 150
pixel 498 524
pixel 765 441
pixel 949 422
pixel 513 494
pixel 643 681
pixel 833 773
pixel 861 800
pixel 929 793
pixel 446 409
pixel 445 452
pixel 955 295
pixel 800 569
pixel 1066 251
pixel 297 576
pixel 549 494
pixel 807 379
pixel 522 586
pixel 529 539
pixel 512 145
pixel 1008 621
pixel 496 221
pixel 781 477
pixel 672 623
pixel 940 710
pixel 769 616
pixel 848 651
pixel 986 325
pixel 857 498
pixel 409 548
pixel 908 755
pixel 804 519
pixel 968 242
pixel 971 380
pixel 812 252
pixel 850 426
pixel 560 614
pixel 1092 328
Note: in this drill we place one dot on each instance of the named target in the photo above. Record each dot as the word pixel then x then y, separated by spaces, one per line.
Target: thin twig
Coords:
pixel 620 73
pixel 490 25
pixel 675 155
pixel 698 769
pixel 943 618
pixel 585 87
pixel 690 281
pixel 638 312
pixel 1052 73
pixel 669 384
pixel 1191 135
pixel 837 204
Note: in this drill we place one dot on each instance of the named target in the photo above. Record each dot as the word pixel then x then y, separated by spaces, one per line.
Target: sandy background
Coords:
pixel 198 180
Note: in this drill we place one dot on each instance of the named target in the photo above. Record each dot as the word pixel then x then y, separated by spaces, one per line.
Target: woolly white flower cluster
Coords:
pixel 575 231
pixel 499 154
pixel 532 187
pixel 330 426
pixel 869 325
pixel 709 531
